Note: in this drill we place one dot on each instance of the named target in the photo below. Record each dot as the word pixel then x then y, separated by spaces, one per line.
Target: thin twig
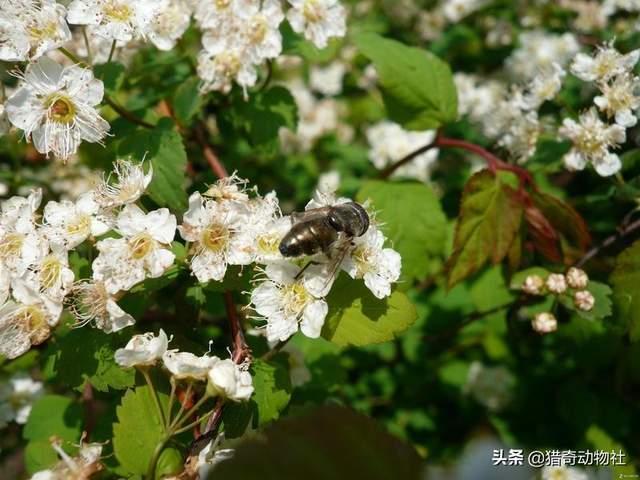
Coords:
pixel 387 172
pixel 89 410
pixel 209 154
pixel 88 45
pixel 112 51
pixel 275 350
pixel 124 113
pixel 607 242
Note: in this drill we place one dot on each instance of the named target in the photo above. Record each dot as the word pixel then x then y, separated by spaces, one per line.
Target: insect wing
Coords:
pixel 309 215
pixel 320 277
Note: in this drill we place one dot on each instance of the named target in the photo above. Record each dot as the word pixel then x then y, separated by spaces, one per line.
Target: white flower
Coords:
pixel 131 182
pixel 55 106
pixel 211 455
pixel 287 303
pixel 91 302
pixel 533 285
pixel 389 142
pixel 115 19
pixel 619 99
pixel 81 467
pixel 592 139
pixel 141 350
pixel 51 275
pixel 521 136
pixel 378 266
pixel 219 66
pixel 169 24
pixel 544 322
pixel 216 14
pixel 21 244
pixel 187 365
pixel 584 300
pixel 27 321
pixel 606 64
pixel 68 224
pixel 229 188
pixel 318 20
pixel 577 278
pixel 328 80
pixel 142 252
pixel 16 398
pixel 214 228
pixel 261 22
pixel 563 473
pixel 544 86
pixel 230 380
pixel 29 32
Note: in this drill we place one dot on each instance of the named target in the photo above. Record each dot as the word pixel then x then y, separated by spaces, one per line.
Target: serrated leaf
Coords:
pixel 111 74
pixel 358 318
pixel 163 147
pixel 138 430
pixel 625 280
pixel 331 442
pixel 86 354
pixel 54 415
pixel 418 87
pixel 261 117
pixel 187 100
pixel 272 390
pixel 490 217
pixel 418 234
pixel 602 307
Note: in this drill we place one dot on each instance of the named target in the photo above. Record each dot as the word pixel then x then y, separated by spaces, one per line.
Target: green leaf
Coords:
pixel 187 100
pixel 490 217
pixel 358 318
pixel 170 463
pixel 601 440
pixel 261 117
pixel 163 147
pixel 138 429
pixel 112 75
pixel 625 280
pixel 86 354
pixel 39 455
pixel 272 390
pixel 54 415
pixel 418 234
pixel 418 87
pixel 602 307
pixel 329 443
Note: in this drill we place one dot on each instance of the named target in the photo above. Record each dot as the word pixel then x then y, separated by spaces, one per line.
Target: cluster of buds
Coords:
pixel 573 283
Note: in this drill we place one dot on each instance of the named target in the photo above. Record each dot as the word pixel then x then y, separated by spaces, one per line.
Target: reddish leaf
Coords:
pixel 544 236
pixel 565 220
pixel 490 217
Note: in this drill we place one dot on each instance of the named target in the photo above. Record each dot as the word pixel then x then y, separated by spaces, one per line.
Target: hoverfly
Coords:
pixel 329 230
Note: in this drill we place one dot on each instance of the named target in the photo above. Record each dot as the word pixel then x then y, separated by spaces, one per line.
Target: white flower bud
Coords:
pixel 230 380
pixel 584 300
pixel 142 350
pixel 187 365
pixel 533 285
pixel 556 283
pixel 544 322
pixel 577 278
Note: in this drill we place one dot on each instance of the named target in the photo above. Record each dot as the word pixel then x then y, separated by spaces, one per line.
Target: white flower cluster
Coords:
pixel 592 138
pixel 239 35
pixel 490 386
pixel 225 378
pixel 226 226
pixel 389 142
pixel 35 277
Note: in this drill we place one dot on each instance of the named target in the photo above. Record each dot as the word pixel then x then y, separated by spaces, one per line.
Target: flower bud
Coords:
pixel 584 300
pixel 142 350
pixel 544 322
pixel 556 283
pixel 533 285
pixel 577 278
pixel 230 380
